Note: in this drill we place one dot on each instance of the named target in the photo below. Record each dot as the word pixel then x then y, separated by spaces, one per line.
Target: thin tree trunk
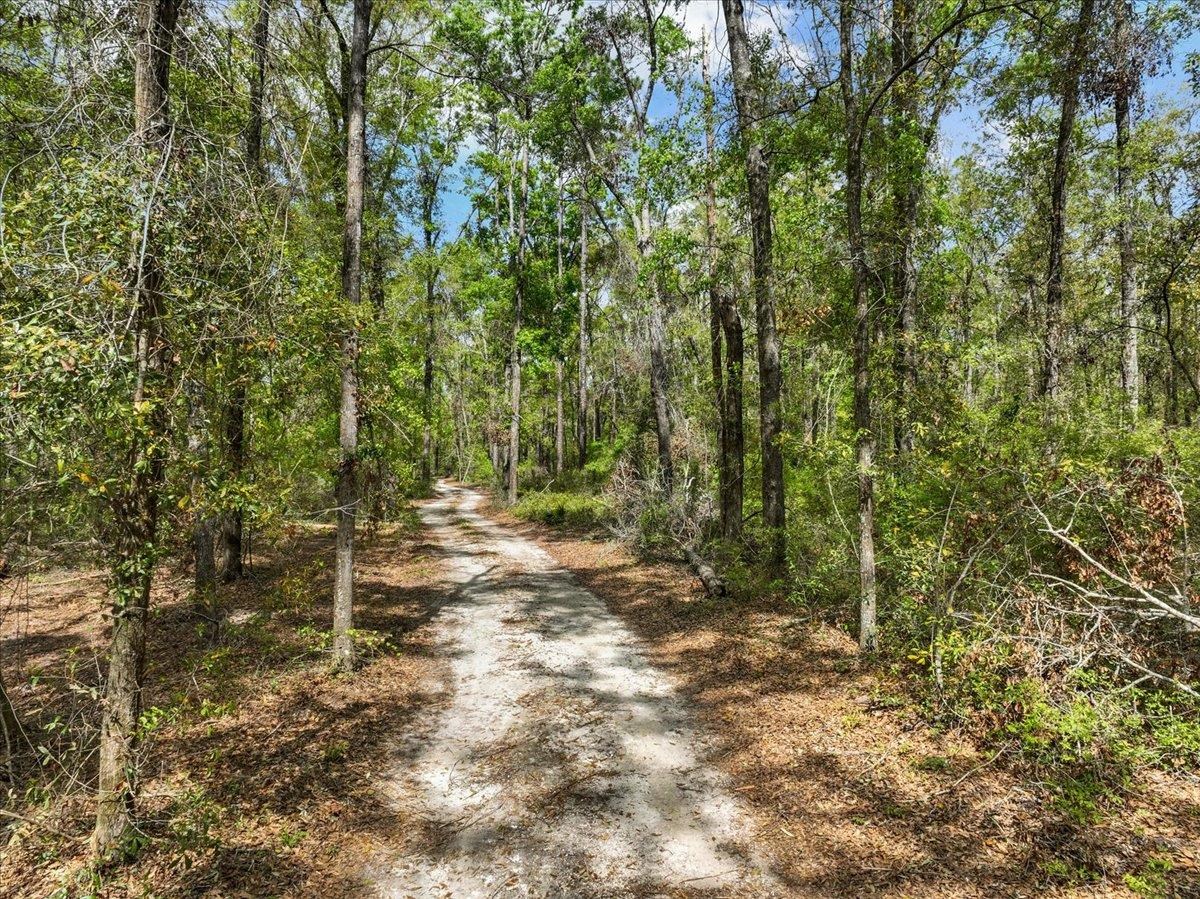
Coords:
pixel 1125 88
pixel 136 508
pixel 770 378
pixel 584 335
pixel 1052 348
pixel 514 428
pixel 203 557
pixel 906 199
pixel 10 730
pixel 254 128
pixel 430 178
pixel 715 338
pixel 658 383
pixel 347 474
pixel 860 274
pixel 725 327
pixel 235 411
pixel 559 437
pixel 427 386
pixel 735 438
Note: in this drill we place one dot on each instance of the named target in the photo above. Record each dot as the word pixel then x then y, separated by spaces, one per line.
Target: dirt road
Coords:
pixel 563 764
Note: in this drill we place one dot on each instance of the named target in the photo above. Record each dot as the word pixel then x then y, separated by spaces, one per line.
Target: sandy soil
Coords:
pixel 565 764
pixel 555 717
pixel 852 790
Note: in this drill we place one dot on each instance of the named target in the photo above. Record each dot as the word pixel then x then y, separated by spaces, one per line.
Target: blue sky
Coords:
pixel 961 130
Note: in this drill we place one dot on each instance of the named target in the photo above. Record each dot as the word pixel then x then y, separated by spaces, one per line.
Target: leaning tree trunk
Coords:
pixel 1052 347
pixel 770 377
pixel 1125 88
pixel 232 522
pixel 860 274
pixel 135 507
pixel 347 474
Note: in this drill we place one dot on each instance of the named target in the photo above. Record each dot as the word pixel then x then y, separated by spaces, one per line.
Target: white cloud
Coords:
pixel 704 17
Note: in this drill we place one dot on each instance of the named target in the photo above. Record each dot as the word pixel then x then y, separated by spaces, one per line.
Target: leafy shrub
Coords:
pixel 603 455
pixel 575 510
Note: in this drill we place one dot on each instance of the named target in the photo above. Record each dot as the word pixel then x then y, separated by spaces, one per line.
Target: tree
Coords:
pixel 347 486
pixel 1071 75
pixel 636 36
pixel 1125 87
pixel 860 277
pixel 725 340
pixel 135 510
pixel 233 522
pixel 770 375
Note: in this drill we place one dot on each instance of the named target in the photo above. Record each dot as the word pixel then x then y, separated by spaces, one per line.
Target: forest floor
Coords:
pixel 550 717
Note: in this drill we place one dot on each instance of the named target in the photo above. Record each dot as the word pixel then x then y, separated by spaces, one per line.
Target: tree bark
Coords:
pixel 1125 88
pixel 658 381
pixel 584 334
pixel 906 202
pixel 519 277
pixel 347 474
pixel 135 507
pixel 1052 348
pixel 860 278
pixel 232 522
pixel 203 557
pixel 713 585
pixel 770 378
pixel 559 436
pixel 725 327
pixel 430 179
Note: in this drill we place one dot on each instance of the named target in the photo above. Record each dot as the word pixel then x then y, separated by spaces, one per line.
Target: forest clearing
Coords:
pixel 599 448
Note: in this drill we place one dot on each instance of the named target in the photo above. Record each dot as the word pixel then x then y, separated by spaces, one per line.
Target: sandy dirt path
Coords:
pixel 564 764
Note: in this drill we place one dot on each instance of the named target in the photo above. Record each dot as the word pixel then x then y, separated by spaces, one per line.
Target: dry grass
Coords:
pixel 263 778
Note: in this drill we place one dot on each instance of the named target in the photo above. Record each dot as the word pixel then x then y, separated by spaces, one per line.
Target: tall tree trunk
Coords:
pixel 725 327
pixel 232 522
pixel 347 474
pixel 860 278
pixel 584 334
pixel 203 557
pixel 135 508
pixel 514 427
pixel 1126 86
pixel 731 414
pixel 658 373
pixel 1052 348
pixel 906 201
pixel 427 386
pixel 770 377
pixel 559 437
pixel 430 179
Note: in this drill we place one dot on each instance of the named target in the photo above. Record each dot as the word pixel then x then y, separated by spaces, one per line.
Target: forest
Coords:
pixel 599 448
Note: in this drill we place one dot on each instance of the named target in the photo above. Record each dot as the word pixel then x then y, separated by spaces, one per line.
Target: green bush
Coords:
pixel 576 510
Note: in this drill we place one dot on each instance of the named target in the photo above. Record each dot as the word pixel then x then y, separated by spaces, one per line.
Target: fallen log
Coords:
pixel 713 585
